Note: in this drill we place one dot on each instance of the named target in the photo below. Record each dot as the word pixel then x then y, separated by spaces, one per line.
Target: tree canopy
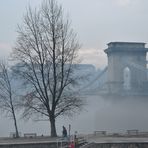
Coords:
pixel 46 53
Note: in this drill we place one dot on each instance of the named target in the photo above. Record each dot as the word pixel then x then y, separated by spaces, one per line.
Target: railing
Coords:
pixel 67 142
pixel 63 142
pixel 88 145
pixel 80 141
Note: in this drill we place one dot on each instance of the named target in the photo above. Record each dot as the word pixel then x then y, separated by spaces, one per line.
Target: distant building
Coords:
pixel 127 69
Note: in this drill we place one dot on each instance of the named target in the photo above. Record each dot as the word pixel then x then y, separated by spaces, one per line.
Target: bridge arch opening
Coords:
pixel 127 78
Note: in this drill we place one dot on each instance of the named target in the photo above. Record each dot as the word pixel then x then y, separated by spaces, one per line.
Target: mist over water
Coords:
pixel 112 115
pixel 99 113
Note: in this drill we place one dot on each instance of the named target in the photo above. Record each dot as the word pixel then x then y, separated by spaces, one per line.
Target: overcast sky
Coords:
pixel 96 22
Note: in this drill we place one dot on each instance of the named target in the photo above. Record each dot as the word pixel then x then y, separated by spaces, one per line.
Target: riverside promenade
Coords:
pixel 138 140
pixel 31 142
pixel 133 139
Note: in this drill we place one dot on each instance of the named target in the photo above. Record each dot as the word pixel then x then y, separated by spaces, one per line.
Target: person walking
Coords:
pixel 64 132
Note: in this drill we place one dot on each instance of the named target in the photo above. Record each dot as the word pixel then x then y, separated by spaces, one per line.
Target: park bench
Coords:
pixel 100 133
pixel 132 132
pixel 13 134
pixel 30 135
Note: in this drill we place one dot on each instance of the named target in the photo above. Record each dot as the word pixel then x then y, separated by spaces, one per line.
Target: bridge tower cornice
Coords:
pixel 125 47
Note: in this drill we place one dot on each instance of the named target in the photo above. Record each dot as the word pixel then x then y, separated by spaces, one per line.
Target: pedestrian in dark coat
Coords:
pixel 64 132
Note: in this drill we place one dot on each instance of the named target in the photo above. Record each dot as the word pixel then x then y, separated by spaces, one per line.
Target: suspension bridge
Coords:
pixel 126 71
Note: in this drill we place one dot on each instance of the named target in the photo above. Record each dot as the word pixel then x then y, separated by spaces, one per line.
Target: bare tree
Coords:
pixel 7 95
pixel 46 51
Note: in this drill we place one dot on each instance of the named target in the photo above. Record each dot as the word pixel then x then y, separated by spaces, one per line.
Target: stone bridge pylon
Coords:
pixel 127 67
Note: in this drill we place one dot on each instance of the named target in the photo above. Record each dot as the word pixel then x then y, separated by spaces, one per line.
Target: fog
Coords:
pixel 112 115
pixel 102 21
pixel 99 113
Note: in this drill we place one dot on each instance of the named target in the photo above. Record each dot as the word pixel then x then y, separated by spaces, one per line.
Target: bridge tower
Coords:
pixel 127 69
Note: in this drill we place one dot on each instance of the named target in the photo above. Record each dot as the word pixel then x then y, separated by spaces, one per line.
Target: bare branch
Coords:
pixel 46 50
pixel 7 97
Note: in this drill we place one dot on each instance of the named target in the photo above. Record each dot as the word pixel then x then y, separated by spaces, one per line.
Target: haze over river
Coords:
pixel 112 115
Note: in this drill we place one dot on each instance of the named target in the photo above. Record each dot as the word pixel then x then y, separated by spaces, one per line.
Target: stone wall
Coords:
pixel 117 145
pixel 92 145
pixel 31 145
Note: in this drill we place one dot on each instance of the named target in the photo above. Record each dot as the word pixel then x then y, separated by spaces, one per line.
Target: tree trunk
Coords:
pixel 16 129
pixel 53 127
pixel 15 124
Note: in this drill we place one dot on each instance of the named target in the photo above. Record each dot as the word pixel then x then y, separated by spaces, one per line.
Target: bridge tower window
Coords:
pixel 127 78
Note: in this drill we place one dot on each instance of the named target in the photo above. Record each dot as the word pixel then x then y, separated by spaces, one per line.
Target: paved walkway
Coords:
pixel 5 141
pixel 118 139
pixel 90 139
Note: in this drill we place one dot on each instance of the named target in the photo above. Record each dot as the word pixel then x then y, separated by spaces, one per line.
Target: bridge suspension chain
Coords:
pixel 96 79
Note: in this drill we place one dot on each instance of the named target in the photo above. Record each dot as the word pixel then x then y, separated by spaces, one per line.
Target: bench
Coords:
pixel 30 135
pixel 100 133
pixel 132 132
pixel 13 134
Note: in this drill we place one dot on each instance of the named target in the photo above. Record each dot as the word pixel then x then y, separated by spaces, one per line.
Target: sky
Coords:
pixel 96 22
